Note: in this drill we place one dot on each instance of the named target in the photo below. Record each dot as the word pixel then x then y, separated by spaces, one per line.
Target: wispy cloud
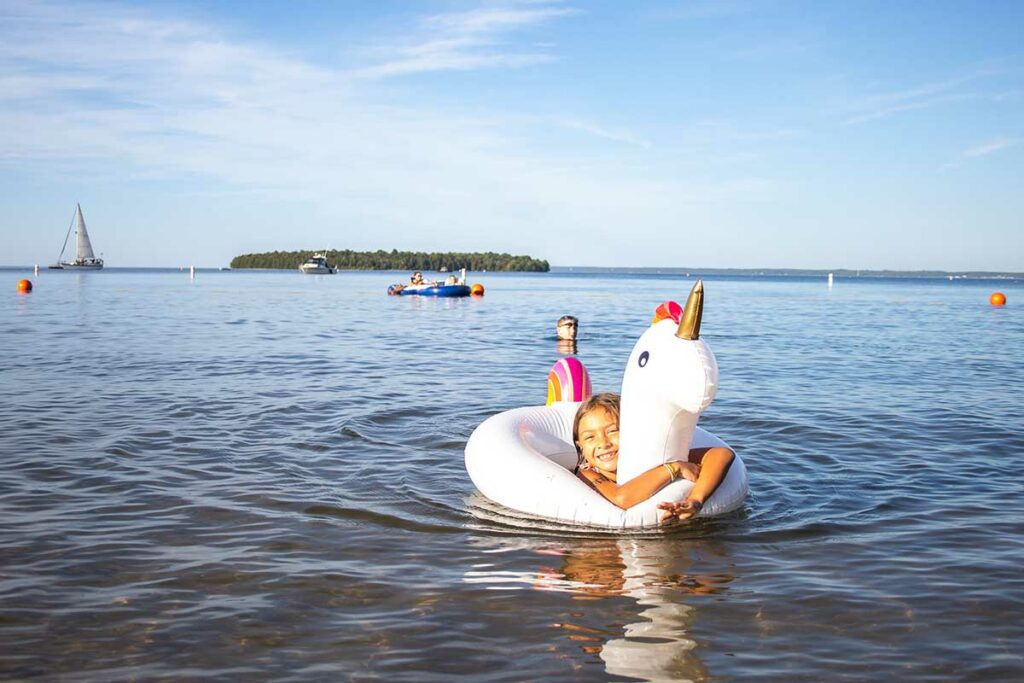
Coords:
pixel 468 40
pixel 985 149
pixel 615 135
pixel 926 96
pixel 991 147
pixel 707 9
pixel 724 131
pixel 106 80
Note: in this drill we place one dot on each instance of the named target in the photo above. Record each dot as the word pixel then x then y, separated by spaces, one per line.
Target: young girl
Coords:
pixel 596 434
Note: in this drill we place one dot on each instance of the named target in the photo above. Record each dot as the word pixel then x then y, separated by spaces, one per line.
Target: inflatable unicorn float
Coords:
pixel 524 458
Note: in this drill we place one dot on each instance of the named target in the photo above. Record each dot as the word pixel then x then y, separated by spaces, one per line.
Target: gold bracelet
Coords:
pixel 671 472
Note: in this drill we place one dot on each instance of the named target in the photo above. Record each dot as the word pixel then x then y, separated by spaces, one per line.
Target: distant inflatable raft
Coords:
pixel 430 290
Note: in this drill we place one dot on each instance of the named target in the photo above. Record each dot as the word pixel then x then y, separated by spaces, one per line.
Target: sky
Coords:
pixel 731 134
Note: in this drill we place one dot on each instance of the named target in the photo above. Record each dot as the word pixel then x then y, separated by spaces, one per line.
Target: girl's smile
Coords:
pixel 599 441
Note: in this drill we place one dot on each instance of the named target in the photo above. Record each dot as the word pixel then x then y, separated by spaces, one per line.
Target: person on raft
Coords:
pixel 417 279
pixel 595 431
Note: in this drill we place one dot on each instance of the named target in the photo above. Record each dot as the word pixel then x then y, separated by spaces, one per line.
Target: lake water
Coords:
pixel 260 475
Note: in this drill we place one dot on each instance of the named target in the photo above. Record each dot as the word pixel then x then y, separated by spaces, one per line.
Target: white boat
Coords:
pixel 317 265
pixel 85 259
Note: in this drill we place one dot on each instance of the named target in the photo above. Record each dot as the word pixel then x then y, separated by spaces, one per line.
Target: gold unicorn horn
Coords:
pixel 689 324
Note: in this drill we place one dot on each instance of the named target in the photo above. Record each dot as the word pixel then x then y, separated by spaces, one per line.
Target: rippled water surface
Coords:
pixel 260 475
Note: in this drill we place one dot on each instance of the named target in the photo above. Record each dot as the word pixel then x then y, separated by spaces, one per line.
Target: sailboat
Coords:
pixel 85 259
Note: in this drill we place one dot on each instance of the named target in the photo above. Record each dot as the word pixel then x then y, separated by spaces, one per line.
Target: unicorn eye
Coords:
pixel 644 357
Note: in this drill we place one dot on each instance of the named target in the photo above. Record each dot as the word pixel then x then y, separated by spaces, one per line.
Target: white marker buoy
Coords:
pixel 192 272
pixel 830 279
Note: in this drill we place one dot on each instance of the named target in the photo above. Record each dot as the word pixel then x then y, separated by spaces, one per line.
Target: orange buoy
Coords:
pixel 24 286
pixel 997 299
pixel 477 290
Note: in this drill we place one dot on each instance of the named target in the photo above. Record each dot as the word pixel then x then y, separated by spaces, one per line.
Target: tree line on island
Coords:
pixel 347 259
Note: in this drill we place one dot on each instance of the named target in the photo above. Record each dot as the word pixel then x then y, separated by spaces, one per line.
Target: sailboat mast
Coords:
pixel 68 235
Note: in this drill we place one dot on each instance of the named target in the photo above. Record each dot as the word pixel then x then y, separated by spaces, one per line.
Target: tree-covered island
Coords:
pixel 396 260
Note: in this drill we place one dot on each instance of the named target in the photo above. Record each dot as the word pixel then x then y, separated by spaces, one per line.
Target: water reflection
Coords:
pixel 658 574
pixel 566 347
pixel 657 647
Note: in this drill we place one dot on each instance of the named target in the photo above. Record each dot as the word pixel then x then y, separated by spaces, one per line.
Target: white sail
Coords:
pixel 82 235
pixel 85 258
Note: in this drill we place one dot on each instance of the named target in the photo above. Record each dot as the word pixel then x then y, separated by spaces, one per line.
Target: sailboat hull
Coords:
pixel 81 266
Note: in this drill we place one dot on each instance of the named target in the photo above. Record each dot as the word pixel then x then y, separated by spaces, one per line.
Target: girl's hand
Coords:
pixel 689 471
pixel 674 512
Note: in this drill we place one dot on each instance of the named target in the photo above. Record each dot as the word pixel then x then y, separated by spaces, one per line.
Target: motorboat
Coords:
pixel 317 265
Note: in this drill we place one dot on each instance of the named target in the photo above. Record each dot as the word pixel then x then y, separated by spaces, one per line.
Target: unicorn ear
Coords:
pixel 689 326
pixel 669 310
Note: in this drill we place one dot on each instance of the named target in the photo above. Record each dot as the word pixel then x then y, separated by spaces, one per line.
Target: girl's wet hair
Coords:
pixel 607 400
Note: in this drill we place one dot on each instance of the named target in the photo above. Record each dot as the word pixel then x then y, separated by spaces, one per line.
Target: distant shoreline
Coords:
pixel 347 259
pixel 842 273
pixel 797 272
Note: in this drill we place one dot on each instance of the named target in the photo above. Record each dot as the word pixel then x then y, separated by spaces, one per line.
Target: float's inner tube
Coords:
pixel 523 459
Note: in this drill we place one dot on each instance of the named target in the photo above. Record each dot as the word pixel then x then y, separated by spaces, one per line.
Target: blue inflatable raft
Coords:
pixel 430 290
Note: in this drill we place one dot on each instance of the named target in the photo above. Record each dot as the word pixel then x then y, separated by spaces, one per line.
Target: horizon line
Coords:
pixel 672 270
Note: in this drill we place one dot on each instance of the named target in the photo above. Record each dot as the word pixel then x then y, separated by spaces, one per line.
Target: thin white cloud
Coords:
pixel 707 9
pixel 982 150
pixel 926 96
pixel 490 21
pixel 468 40
pixel 615 135
pixel 1006 96
pixel 727 132
pixel 991 147
pixel 886 112
pixel 761 49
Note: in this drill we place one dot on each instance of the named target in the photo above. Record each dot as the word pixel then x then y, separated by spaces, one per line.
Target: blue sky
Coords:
pixel 720 134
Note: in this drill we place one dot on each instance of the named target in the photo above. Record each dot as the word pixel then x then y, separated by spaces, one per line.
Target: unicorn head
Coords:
pixel 671 377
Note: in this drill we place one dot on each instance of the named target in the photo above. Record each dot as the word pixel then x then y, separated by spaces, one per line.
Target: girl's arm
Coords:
pixel 642 487
pixel 714 465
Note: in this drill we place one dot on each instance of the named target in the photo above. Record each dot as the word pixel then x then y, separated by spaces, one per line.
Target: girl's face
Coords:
pixel 599 441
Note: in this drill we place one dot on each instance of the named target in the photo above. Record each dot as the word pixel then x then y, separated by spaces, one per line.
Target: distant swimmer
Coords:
pixel 567 327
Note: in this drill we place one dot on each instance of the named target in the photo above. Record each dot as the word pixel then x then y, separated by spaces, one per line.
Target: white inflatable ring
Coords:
pixel 524 458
